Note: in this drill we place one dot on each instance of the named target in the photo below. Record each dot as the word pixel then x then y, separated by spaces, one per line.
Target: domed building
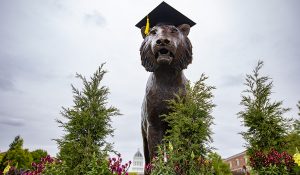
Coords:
pixel 138 163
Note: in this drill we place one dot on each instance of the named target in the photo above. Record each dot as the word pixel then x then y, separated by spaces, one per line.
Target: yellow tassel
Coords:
pixel 147 29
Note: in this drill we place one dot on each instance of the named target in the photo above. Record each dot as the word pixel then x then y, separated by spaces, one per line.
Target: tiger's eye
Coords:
pixel 174 30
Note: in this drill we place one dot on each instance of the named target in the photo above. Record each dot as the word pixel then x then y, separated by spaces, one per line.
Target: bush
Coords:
pixel 88 125
pixel 16 155
pixel 272 162
pixel 38 154
pixel 187 143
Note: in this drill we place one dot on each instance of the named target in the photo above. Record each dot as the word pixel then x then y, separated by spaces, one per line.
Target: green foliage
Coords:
pixel 166 163
pixel 87 125
pixel 189 135
pixel 162 165
pixel 20 157
pixel 271 170
pixel 17 143
pixel 98 167
pixel 131 173
pixel 296 126
pixel 272 162
pixel 190 120
pixel 298 105
pixel 38 154
pixel 292 140
pixel 1 156
pixel 55 168
pixel 16 155
pixel 218 165
pixel 266 126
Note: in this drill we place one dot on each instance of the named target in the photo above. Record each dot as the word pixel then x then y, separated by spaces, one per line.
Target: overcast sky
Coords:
pixel 44 43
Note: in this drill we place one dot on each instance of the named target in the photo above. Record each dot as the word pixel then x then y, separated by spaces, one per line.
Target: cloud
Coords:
pixel 15 68
pixel 232 80
pixel 6 84
pixel 8 69
pixel 43 45
pixel 96 18
pixel 16 122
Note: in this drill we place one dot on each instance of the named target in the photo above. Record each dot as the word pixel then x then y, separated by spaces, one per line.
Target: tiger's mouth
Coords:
pixel 164 55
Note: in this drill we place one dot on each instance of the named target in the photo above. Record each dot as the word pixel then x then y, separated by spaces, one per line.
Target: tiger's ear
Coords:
pixel 185 29
pixel 143 32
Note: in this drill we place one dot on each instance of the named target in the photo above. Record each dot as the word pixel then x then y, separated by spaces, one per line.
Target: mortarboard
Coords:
pixel 164 14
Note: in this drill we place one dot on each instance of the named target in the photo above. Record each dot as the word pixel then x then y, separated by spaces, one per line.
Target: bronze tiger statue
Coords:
pixel 165 52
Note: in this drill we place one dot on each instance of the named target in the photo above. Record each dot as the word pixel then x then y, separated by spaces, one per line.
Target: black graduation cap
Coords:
pixel 165 14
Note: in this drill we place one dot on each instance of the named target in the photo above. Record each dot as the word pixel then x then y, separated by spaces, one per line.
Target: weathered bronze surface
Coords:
pixel 165 52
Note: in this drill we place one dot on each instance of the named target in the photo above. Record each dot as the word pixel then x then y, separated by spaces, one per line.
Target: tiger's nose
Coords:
pixel 162 42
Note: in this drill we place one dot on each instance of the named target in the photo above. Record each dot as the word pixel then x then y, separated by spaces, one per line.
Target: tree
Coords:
pixel 298 105
pixel 187 141
pixel 17 143
pixel 219 166
pixel 1 156
pixel 191 119
pixel 38 154
pixel 87 125
pixel 292 141
pixel 16 155
pixel 266 126
pixel 293 138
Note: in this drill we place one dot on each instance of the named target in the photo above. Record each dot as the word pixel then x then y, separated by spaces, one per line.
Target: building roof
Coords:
pixel 138 154
pixel 236 155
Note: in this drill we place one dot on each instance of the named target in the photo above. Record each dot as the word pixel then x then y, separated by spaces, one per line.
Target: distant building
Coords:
pixel 238 163
pixel 138 163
